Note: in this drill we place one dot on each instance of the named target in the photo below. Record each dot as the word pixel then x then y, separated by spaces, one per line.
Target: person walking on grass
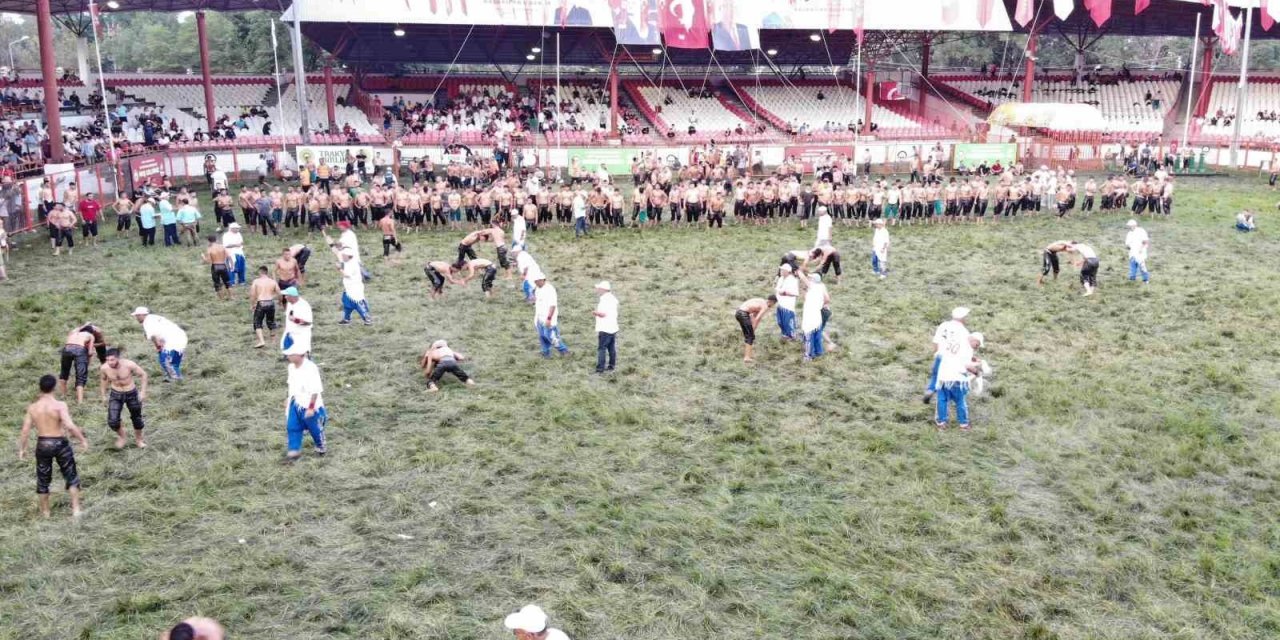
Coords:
pixel 390 238
pixel 955 325
pixel 297 321
pixel 880 249
pixel 748 315
pixel 233 241
pixel 188 221
pixel 90 214
pixel 169 340
pixel 353 300
pixel 813 320
pixel 606 315
pixel 530 623
pixel 216 256
pixel 262 301
pixel 787 291
pixel 52 422
pixel 438 360
pixel 118 374
pixel 304 408
pixel 824 227
pixel 1138 243
pixel 546 317
pixel 579 215
pixel 4 253
pixel 954 364
pixel 1088 264
pixel 529 272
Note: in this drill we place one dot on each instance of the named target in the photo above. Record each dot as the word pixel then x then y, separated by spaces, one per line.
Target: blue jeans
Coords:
pixel 606 345
pixel 813 344
pixel 171 363
pixel 1135 267
pixel 787 322
pixel 527 288
pixel 1244 228
pixel 297 422
pixel 349 305
pixel 237 270
pixel 932 387
pixel 580 227
pixel 549 337
pixel 956 393
pixel 876 266
pixel 171 235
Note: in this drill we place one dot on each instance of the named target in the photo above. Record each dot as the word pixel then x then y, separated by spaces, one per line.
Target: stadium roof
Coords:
pixel 81 6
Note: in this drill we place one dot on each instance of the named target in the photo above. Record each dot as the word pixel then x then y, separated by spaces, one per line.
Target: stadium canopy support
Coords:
pixel 870 99
pixel 926 51
pixel 48 67
pixel 1206 75
pixel 328 98
pixel 613 97
pixel 1033 44
pixel 206 79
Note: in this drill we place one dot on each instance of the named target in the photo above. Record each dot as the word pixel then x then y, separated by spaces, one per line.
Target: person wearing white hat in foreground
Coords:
pixel 880 249
pixel 787 289
pixel 954 326
pixel 530 623
pixel 546 316
pixel 305 407
pixel 954 364
pixel 529 271
pixel 606 314
pixel 352 287
pixel 812 322
pixel 1138 243
pixel 233 242
pixel 439 360
pixel 168 338
pixel 297 321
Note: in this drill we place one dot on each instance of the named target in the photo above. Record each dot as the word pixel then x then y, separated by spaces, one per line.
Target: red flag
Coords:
pixel 1025 12
pixel 1265 16
pixel 1100 10
pixel 985 8
pixel 1141 5
pixel 684 24
pixel 95 18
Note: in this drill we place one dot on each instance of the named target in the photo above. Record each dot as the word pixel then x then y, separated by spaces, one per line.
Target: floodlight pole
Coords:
pixel 275 54
pixel 1242 88
pixel 1191 86
pixel 102 86
pixel 48 67
pixel 299 73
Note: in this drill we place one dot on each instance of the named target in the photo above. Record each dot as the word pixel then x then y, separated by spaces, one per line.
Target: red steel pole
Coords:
pixel 206 79
pixel 48 67
pixel 870 100
pixel 613 97
pixel 328 98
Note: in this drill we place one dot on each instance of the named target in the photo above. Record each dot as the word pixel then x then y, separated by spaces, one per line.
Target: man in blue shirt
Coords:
pixel 147 222
pixel 169 220
pixel 189 221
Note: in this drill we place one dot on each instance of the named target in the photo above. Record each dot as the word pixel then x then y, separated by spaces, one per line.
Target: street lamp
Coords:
pixel 19 40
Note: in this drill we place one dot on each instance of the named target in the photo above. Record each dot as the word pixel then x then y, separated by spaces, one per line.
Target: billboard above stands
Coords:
pixel 814 154
pixel 333 155
pixel 615 159
pixel 638 21
pixel 972 155
pixel 147 170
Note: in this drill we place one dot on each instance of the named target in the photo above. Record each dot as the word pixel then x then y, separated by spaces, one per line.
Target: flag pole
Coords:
pixel 1191 86
pixel 857 92
pixel 102 83
pixel 1242 88
pixel 275 54
pixel 558 94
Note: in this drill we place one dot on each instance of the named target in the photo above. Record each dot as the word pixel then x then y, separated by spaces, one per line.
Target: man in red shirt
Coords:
pixel 90 210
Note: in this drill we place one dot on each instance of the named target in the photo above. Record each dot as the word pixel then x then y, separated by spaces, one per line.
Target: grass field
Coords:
pixel 1120 481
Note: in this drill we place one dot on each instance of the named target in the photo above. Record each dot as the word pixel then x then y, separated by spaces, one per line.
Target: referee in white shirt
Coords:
pixel 606 314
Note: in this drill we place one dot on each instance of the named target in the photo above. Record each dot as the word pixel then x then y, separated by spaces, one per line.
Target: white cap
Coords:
pixel 1132 223
pixel 141 311
pixel 530 618
pixel 604 284
pixel 786 268
pixel 813 277
pixel 347 253
pixel 296 349
pixel 982 340
pixel 959 313
pixel 234 225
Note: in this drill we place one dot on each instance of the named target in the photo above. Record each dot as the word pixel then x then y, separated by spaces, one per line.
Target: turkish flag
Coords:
pixel 684 24
pixel 1265 16
pixel 1100 10
pixel 1025 12
pixel 1141 5
pixel 890 92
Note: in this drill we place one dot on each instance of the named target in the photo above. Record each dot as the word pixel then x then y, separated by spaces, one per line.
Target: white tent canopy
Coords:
pixel 1049 115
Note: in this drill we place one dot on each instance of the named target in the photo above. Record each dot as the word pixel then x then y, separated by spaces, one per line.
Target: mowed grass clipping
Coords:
pixel 1120 481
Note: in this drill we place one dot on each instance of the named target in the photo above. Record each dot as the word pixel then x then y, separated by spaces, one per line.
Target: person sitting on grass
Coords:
pixel 1244 221
pixel 439 360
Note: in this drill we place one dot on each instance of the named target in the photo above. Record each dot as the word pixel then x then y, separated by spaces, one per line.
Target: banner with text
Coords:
pixel 815 154
pixel 147 170
pixel 333 155
pixel 972 155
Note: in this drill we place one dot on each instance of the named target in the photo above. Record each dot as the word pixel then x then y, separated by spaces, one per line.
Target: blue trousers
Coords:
pixel 550 337
pixel 876 267
pixel 171 235
pixel 297 422
pixel 349 305
pixel 786 322
pixel 580 227
pixel 956 393
pixel 171 363
pixel 237 270
pixel 813 344
pixel 932 387
pixel 606 349
pixel 527 288
pixel 1136 267
pixel 1244 228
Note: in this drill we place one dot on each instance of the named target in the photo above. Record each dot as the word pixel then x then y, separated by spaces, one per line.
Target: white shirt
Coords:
pixel 219 179
pixel 787 284
pixel 526 265
pixel 174 338
pixel 608 305
pixel 304 381
pixel 234 242
pixel 952 338
pixel 353 280
pixel 348 240
pixel 544 298
pixel 579 207
pixel 880 241
pixel 824 230
pixel 518 230
pixel 811 319
pixel 301 334
pixel 556 634
pixel 1137 241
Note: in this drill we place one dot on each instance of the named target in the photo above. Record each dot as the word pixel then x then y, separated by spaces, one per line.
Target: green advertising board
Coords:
pixel 972 155
pixel 618 161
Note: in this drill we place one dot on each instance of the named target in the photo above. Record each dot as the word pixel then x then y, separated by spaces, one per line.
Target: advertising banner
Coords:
pixel 333 155
pixel 614 159
pixel 972 155
pixel 812 154
pixel 147 170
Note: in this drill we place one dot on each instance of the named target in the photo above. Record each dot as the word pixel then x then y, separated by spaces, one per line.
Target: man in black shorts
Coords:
pixel 489 272
pixel 749 314
pixel 215 255
pixel 118 374
pixel 437 273
pixel 52 422
pixel 439 360
pixel 75 353
pixel 1050 262
pixel 263 293
pixel 466 246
